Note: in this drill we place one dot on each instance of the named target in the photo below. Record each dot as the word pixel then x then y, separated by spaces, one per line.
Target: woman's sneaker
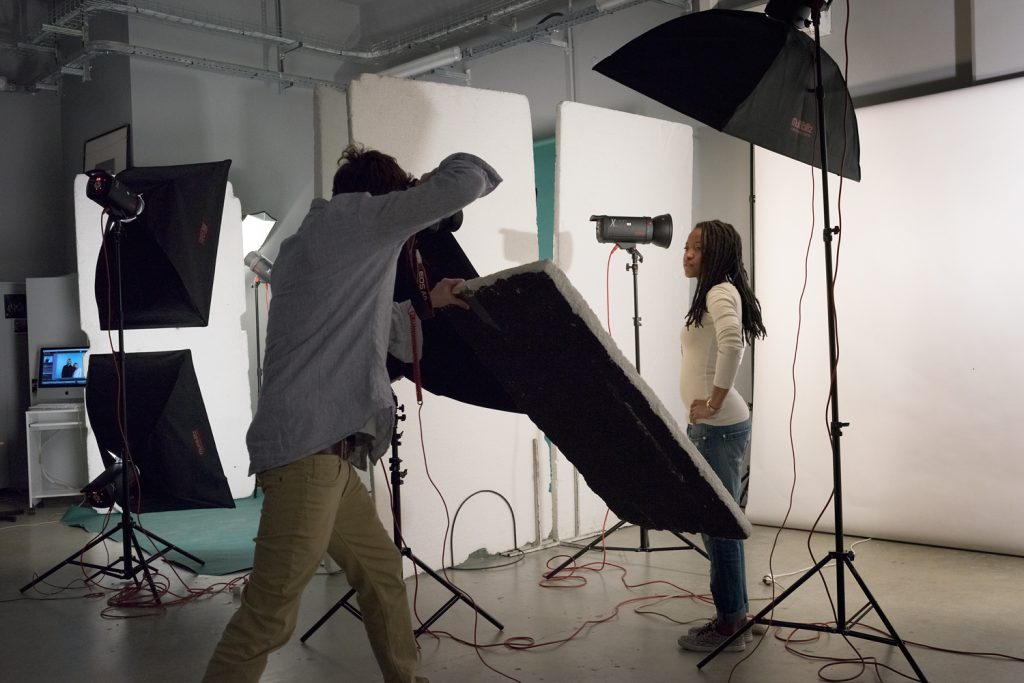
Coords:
pixel 748 635
pixel 706 638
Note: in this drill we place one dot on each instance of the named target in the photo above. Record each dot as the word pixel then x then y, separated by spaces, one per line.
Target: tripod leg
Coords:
pixel 330 613
pixel 169 546
pixel 885 620
pixel 437 615
pixel 71 560
pixel 142 565
pixel 458 593
pixel 768 608
pixel 575 557
pixel 690 544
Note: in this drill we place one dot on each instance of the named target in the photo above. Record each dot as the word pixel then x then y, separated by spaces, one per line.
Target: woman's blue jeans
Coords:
pixel 725 450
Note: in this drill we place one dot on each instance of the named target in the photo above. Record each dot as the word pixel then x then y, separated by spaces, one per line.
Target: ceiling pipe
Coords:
pixel 294 43
pixel 96 48
pixel 417 67
pixel 79 16
pixel 569 20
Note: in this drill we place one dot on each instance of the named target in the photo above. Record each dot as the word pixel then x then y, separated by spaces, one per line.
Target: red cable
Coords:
pixel 607 294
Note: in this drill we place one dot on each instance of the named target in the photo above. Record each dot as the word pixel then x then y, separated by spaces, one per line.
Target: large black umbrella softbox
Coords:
pixel 168 432
pixel 168 253
pixel 449 366
pixel 748 75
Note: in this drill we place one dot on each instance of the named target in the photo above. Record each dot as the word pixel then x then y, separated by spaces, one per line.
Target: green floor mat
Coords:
pixel 221 537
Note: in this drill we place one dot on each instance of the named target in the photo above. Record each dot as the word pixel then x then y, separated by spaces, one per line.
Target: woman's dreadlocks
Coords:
pixel 722 261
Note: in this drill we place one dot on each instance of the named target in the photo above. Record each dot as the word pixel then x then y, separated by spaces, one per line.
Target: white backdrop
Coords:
pixel 617 164
pixel 219 351
pixel 929 321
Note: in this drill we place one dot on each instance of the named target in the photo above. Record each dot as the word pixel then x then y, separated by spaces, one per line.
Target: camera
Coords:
pixel 448 223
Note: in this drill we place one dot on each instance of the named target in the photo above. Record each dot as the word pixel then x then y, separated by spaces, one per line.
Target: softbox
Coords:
pixel 449 366
pixel 168 432
pixel 169 252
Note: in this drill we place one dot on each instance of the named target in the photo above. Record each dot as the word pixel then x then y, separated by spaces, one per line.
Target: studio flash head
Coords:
pixel 632 230
pixel 112 195
pixel 259 264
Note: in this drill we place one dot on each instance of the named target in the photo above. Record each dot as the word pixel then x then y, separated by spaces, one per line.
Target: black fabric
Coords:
pixel 169 436
pixel 449 367
pixel 590 403
pixel 747 75
pixel 168 253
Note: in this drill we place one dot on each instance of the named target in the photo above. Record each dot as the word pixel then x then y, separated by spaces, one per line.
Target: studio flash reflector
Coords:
pixel 631 230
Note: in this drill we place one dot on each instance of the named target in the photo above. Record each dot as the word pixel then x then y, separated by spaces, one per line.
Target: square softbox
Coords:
pixel 169 252
pixel 168 432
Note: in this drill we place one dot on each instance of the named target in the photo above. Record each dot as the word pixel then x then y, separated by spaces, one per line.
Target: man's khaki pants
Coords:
pixel 315 504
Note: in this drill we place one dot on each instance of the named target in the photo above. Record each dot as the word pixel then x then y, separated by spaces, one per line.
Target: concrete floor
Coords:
pixel 946 598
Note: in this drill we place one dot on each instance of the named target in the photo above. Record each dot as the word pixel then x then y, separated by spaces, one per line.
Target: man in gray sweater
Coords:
pixel 326 405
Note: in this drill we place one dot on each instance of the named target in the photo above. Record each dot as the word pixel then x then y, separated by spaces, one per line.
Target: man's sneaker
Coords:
pixel 706 638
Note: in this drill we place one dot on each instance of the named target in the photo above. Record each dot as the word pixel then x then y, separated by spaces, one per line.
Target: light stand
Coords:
pixel 257 281
pixel 397 474
pixel 132 560
pixel 645 546
pixel 256 231
pixel 843 558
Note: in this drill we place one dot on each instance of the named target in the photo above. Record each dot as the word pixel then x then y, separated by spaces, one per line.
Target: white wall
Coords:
pixel 35 239
pixel 927 300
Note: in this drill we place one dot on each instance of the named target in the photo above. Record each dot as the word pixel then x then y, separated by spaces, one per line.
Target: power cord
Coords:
pixel 769 579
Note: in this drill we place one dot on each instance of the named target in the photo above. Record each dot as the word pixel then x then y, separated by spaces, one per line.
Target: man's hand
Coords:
pixel 443 293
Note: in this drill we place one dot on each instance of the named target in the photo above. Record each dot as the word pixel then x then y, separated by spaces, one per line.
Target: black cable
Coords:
pixel 455 517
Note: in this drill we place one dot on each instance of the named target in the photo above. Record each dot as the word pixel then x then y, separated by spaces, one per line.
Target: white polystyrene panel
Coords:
pixel 929 324
pixel 330 130
pixel 420 123
pixel 612 163
pixel 468 448
pixel 219 350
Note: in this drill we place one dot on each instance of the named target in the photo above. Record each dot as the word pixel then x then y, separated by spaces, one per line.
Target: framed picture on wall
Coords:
pixel 109 152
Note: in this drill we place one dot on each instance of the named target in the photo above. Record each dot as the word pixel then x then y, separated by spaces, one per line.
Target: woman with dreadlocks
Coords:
pixel 723 316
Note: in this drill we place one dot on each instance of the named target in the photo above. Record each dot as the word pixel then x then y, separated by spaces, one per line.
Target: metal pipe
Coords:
pixel 103 47
pixel 77 13
pixel 295 43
